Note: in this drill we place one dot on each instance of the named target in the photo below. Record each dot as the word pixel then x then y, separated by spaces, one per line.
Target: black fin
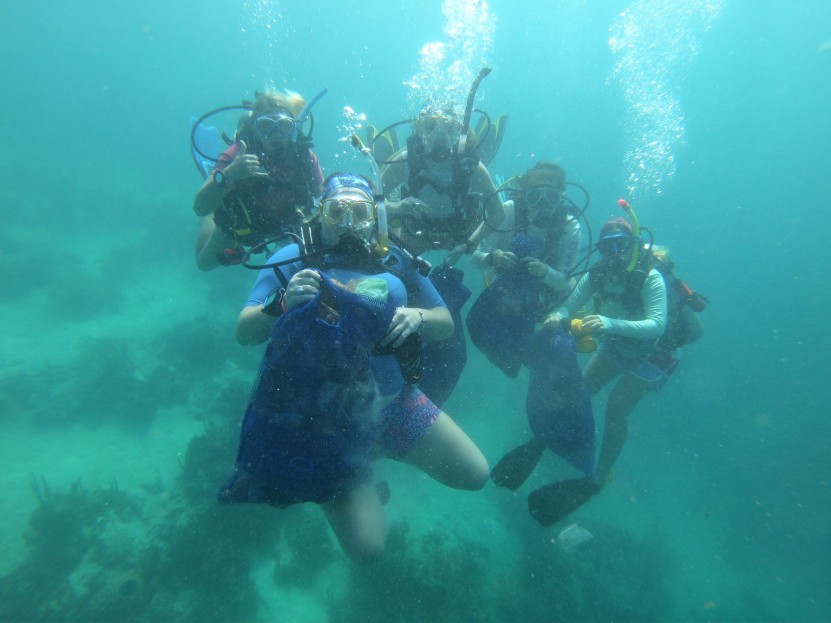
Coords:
pixel 551 503
pixel 515 467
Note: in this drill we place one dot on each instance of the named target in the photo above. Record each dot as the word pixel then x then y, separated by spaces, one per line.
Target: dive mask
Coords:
pixel 542 197
pixel 546 203
pixel 616 244
pixel 349 214
pixel 282 123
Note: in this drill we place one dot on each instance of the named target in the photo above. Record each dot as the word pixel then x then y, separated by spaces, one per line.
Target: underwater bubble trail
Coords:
pixel 353 123
pixel 446 69
pixel 261 19
pixel 655 42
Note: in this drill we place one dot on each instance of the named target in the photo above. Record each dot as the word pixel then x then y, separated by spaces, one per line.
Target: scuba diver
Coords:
pixel 528 260
pixel 343 313
pixel 263 184
pixel 630 321
pixel 442 184
pixel 442 188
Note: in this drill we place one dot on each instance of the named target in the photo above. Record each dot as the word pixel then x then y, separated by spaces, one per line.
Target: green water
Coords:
pixel 121 384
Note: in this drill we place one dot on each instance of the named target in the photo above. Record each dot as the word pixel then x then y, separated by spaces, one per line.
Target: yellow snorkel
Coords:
pixel 381 247
pixel 636 231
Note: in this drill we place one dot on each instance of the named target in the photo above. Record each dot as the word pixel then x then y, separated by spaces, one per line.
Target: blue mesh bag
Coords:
pixel 309 427
pixel 444 360
pixel 505 313
pixel 503 317
pixel 558 403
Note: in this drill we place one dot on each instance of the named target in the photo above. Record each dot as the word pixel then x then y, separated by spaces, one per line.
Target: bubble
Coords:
pixel 655 42
pixel 260 24
pixel 446 68
pixel 354 123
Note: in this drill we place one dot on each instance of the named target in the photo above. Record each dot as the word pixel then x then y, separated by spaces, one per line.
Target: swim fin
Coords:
pixel 515 467
pixel 370 133
pixel 207 140
pixel 383 145
pixel 489 138
pixel 553 502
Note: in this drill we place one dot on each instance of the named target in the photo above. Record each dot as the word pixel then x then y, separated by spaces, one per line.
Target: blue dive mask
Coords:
pixel 615 244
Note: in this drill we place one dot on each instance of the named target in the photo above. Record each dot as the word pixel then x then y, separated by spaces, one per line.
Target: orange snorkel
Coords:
pixel 636 230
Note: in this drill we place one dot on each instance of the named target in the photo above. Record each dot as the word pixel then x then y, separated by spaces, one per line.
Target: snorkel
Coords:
pixel 636 231
pixel 304 114
pixel 381 247
pixel 471 96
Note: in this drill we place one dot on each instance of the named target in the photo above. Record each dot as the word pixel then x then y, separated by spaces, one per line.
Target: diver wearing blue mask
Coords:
pixel 628 297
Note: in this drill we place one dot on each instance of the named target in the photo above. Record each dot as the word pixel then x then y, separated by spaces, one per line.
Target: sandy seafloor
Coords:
pixel 121 386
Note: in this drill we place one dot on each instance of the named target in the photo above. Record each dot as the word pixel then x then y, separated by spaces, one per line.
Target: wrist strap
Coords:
pixel 275 304
pixel 423 321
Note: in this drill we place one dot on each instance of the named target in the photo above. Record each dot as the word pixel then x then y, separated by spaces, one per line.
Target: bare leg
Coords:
pixel 599 371
pixel 627 393
pixel 359 523
pixel 209 241
pixel 448 455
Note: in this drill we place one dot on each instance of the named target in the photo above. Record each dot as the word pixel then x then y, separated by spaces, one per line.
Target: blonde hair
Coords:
pixel 271 100
pixel 660 252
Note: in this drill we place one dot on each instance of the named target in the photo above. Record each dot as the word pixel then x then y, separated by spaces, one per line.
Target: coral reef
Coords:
pixel 105 554
pixel 101 384
pixel 431 578
pixel 82 561
pixel 616 577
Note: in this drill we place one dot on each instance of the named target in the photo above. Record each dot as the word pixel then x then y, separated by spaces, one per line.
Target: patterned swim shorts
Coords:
pixel 407 419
